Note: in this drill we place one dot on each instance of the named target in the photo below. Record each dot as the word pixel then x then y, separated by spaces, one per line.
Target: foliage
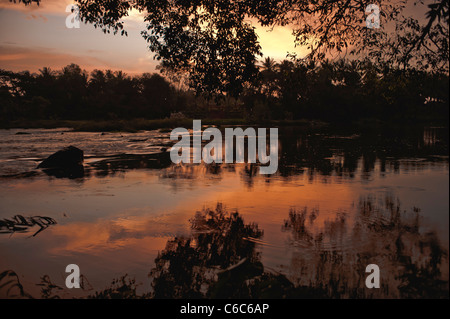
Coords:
pixel 216 45
pixel 340 91
pixel 72 94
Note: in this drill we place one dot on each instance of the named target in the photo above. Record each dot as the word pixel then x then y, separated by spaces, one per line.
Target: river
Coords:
pixel 341 200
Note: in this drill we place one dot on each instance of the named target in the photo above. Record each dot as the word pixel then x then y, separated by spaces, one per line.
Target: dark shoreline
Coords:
pixel 140 124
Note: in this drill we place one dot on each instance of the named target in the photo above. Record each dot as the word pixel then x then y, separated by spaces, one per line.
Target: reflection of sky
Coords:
pixel 117 224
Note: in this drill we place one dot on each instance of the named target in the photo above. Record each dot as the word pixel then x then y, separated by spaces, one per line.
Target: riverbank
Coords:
pixel 140 124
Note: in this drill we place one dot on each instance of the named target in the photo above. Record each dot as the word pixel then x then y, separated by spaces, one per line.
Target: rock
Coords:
pixel 67 158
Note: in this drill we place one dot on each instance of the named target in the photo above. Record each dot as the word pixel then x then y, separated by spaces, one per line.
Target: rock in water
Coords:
pixel 67 158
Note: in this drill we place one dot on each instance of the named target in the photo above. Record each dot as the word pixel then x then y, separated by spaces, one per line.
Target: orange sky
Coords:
pixel 32 37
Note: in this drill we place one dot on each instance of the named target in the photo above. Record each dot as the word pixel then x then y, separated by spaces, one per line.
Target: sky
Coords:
pixel 32 37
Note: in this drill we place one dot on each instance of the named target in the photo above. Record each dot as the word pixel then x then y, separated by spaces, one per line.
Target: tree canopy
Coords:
pixel 333 91
pixel 216 44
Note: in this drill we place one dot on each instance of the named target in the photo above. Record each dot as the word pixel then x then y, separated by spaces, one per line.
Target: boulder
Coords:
pixel 68 158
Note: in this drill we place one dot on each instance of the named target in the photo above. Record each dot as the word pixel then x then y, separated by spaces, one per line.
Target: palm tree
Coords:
pixel 46 72
pixel 268 65
pixel 268 76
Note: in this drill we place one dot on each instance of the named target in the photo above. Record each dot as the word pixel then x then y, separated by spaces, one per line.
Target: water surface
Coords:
pixel 341 200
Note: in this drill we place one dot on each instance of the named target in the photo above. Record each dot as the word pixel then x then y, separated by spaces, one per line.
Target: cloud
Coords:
pixel 16 58
pixel 36 17
pixel 46 6
pixel 111 234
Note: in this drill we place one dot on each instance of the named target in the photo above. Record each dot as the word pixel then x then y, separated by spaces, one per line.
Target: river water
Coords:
pixel 341 200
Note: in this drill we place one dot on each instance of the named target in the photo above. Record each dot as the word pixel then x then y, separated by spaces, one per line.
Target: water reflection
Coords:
pixel 21 224
pixel 413 262
pixel 76 172
pixel 121 163
pixel 10 286
pixel 333 208
pixel 221 258
pixel 220 243
pixel 345 156
pixel 326 152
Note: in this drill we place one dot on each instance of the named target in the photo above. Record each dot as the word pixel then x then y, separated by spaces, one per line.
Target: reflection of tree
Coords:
pixel 48 289
pixel 249 172
pixel 189 175
pixel 219 259
pixel 21 224
pixel 121 288
pixel 296 222
pixel 326 153
pixel 10 286
pixel 220 242
pixel 412 262
pixel 329 153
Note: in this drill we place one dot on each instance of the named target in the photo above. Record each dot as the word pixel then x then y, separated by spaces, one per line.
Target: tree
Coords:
pixel 268 76
pixel 406 41
pixel 215 43
pixel 210 40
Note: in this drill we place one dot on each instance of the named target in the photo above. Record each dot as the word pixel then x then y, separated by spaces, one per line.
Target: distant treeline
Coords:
pixel 341 91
